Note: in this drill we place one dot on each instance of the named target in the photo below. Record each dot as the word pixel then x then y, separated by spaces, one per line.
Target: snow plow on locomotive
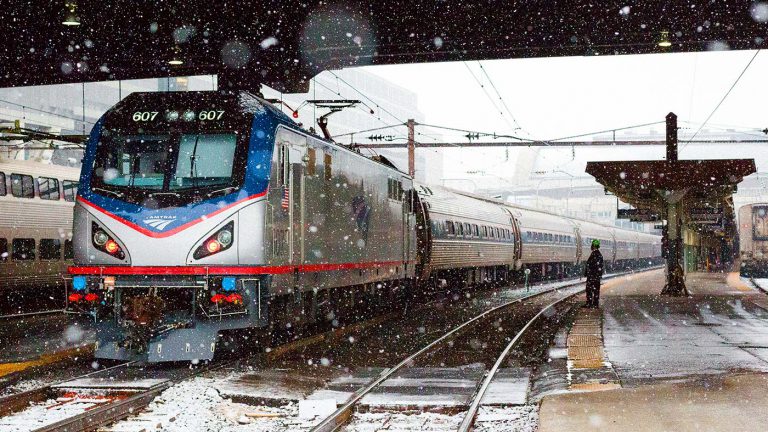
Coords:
pixel 201 213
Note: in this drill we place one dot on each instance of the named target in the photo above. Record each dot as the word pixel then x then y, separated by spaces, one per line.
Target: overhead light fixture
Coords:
pixel 664 40
pixel 176 59
pixel 71 19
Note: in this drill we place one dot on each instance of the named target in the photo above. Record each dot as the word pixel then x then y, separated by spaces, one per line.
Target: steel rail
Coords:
pixel 16 402
pixel 339 417
pixel 342 414
pixel 118 410
pixel 469 419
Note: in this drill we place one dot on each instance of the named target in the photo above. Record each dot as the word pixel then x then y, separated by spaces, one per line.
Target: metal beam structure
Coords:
pixel 681 191
pixel 283 44
pixel 549 143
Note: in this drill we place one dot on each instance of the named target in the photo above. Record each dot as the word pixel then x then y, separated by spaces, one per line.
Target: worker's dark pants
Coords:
pixel 593 292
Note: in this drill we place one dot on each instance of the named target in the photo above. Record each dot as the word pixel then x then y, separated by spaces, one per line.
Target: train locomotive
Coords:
pixel 203 213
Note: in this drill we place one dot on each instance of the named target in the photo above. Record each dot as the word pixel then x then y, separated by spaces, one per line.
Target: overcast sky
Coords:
pixel 557 97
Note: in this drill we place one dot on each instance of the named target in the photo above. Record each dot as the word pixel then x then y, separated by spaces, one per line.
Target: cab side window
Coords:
pixel 22 186
pixel 70 189
pixel 3 192
pixel 49 188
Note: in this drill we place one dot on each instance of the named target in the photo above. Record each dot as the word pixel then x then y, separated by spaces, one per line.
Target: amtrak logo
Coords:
pixel 159 222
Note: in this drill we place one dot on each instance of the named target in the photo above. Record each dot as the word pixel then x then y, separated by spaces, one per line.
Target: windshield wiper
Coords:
pixel 117 194
pixel 225 190
pixel 165 193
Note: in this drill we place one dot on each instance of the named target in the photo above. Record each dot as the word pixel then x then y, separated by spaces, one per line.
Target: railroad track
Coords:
pixel 127 402
pixel 343 414
pixel 104 404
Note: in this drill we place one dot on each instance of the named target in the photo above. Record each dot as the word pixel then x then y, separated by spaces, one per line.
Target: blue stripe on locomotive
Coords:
pixel 260 148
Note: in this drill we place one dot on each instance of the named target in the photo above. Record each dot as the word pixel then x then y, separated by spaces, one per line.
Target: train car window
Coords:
pixel 70 189
pixel 3 249
pixel 475 230
pixel 485 231
pixel 23 249
pixel 50 249
pixel 459 229
pixel 2 184
pixel 22 186
pixel 467 230
pixel 449 228
pixel 311 161
pixel 48 188
pixel 509 234
pixel 328 166
pixel 69 252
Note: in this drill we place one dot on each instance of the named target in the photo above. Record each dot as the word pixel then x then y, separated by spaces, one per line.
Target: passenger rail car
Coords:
pixel 753 240
pixel 202 212
pixel 36 201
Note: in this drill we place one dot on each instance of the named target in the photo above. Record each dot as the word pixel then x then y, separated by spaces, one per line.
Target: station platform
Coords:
pixel 42 340
pixel 683 363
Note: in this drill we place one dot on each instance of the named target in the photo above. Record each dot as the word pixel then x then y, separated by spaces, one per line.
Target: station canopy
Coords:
pixel 648 183
pixel 285 43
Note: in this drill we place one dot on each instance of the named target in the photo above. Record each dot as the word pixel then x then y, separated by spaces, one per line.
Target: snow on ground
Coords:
pixel 422 421
pixel 524 418
pixel 762 284
pixel 196 406
pixel 46 413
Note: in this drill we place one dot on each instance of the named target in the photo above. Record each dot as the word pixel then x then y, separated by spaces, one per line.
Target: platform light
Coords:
pixel 176 58
pixel 71 18
pixel 664 41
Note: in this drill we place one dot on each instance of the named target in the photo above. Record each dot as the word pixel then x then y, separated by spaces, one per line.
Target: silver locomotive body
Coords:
pixel 186 228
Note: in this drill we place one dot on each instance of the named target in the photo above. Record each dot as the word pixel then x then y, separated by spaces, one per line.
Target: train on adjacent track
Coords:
pixel 201 213
pixel 36 202
pixel 753 240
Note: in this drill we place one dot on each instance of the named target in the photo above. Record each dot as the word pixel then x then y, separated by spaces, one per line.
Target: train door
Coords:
pixel 408 223
pixel 518 259
pixel 291 150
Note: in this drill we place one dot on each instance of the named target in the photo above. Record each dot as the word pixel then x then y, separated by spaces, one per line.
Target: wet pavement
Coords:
pixel 686 363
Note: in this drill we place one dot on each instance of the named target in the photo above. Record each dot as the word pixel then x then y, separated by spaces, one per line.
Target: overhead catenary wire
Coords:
pixel 501 99
pixel 725 96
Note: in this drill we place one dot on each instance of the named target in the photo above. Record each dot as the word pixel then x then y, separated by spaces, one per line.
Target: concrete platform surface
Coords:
pixel 686 363
pixel 717 403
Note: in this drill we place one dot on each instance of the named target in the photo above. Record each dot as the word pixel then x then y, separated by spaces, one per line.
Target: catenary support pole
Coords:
pixel 411 148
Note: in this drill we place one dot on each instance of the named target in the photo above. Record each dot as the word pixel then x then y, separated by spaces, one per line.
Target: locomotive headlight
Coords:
pixel 189 115
pixel 217 242
pixel 100 238
pixel 104 242
pixel 224 237
pixel 172 115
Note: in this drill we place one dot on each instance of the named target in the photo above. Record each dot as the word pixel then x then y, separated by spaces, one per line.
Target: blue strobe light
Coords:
pixel 78 283
pixel 228 283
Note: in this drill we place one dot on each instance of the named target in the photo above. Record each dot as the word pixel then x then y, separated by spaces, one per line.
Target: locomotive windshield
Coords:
pixel 173 168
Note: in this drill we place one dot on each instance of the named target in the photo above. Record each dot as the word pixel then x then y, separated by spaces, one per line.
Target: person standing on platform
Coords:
pixel 594 273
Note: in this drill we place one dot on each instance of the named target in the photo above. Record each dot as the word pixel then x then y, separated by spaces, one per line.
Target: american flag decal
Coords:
pixel 284 203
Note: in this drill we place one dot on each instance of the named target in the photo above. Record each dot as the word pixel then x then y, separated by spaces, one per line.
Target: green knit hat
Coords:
pixel 596 243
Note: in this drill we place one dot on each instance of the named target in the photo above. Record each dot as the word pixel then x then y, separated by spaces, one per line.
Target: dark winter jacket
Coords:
pixel 595 265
